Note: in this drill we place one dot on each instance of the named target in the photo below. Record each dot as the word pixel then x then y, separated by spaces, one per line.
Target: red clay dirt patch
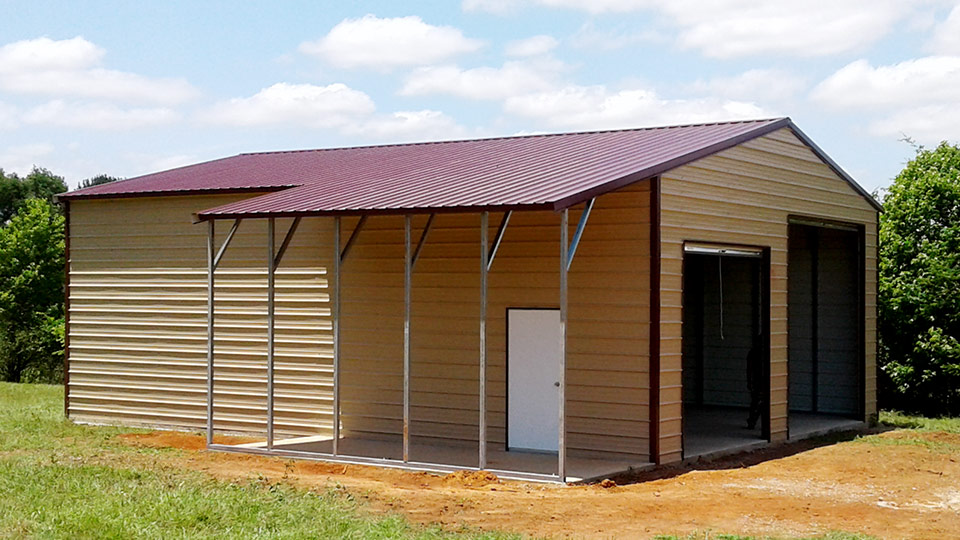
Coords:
pixel 177 439
pixel 885 490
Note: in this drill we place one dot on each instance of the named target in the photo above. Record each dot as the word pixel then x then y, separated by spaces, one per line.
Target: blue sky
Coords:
pixel 126 88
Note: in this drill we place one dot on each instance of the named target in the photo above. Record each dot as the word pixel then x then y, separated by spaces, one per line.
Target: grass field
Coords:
pixel 62 480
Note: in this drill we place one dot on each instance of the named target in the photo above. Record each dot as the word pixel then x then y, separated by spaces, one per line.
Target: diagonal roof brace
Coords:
pixel 223 248
pixel 286 242
pixel 575 242
pixel 423 240
pixel 353 238
pixel 497 239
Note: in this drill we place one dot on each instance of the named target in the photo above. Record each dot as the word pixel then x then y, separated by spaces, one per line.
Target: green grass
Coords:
pixel 919 423
pixel 711 536
pixel 62 480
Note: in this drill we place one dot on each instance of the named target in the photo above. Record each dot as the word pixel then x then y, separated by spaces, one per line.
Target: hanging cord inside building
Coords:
pixel 720 271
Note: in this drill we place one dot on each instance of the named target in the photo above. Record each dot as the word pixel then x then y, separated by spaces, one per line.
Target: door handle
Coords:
pixel 557 384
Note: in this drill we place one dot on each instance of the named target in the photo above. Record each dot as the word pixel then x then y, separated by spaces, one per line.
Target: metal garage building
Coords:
pixel 554 307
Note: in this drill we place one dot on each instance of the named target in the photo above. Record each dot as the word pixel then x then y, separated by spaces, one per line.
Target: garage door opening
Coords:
pixel 825 318
pixel 725 349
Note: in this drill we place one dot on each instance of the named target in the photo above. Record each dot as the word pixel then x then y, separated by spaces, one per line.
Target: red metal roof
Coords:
pixel 549 171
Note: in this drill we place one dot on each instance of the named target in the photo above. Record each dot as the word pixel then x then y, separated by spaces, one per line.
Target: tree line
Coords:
pixel 918 282
pixel 32 275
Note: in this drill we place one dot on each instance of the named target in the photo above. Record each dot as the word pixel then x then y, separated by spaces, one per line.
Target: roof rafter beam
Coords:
pixel 353 238
pixel 286 242
pixel 422 241
pixel 226 242
pixel 498 238
pixel 575 242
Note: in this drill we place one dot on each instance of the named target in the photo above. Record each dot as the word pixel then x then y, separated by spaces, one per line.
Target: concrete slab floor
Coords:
pixel 709 431
pixel 461 456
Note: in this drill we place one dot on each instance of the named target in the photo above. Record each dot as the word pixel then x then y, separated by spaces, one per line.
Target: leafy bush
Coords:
pixel 919 286
pixel 31 294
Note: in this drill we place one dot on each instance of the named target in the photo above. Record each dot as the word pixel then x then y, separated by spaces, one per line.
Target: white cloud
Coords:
pixel 22 158
pixel 408 125
pixel 734 28
pixel 98 116
pixel 384 44
pixel 532 46
pixel 513 78
pixel 588 36
pixel 299 104
pixel 335 106
pixel 71 67
pixel 929 124
pixel 762 85
pixel 596 107
pixel 919 97
pixel 928 80
pixel 946 36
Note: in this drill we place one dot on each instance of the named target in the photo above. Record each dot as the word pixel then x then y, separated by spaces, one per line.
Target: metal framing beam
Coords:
pixel 484 267
pixel 423 239
pixel 499 237
pixel 407 279
pixel 223 248
pixel 211 266
pixel 575 243
pixel 335 315
pixel 564 265
pixel 271 268
pixel 353 238
pixel 286 241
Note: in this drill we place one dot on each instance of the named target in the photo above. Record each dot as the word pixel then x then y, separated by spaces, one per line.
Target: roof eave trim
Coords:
pixel 174 193
pixel 661 168
pixel 204 215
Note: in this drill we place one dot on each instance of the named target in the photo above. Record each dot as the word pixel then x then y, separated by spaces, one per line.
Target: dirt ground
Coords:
pixel 897 484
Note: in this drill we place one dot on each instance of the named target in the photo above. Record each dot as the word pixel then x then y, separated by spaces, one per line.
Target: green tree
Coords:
pixel 919 285
pixel 97 180
pixel 14 190
pixel 31 293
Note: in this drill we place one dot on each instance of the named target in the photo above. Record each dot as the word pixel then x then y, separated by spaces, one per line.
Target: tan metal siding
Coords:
pixel 744 195
pixel 608 387
pixel 138 319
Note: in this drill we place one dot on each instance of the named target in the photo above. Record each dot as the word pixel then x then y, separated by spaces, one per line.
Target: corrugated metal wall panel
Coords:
pixel 138 296
pixel 138 322
pixel 744 195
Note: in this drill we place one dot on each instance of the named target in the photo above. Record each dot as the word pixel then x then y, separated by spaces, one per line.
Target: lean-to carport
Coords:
pixel 487 254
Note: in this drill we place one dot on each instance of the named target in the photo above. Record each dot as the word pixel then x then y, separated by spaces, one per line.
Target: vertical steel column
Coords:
pixel 407 271
pixel 562 446
pixel 335 316
pixel 271 266
pixel 484 256
pixel 210 283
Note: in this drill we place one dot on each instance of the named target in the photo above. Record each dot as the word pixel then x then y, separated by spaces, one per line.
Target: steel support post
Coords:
pixel 484 256
pixel 407 278
pixel 271 267
pixel 210 284
pixel 334 277
pixel 562 446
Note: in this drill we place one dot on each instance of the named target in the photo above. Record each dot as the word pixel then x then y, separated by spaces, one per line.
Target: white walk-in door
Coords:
pixel 533 379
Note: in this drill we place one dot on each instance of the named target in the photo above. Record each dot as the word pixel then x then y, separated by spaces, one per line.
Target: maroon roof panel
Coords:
pixel 549 171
